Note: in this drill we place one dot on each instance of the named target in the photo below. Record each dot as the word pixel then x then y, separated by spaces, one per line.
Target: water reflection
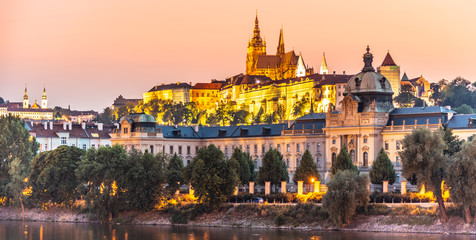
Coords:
pixel 71 231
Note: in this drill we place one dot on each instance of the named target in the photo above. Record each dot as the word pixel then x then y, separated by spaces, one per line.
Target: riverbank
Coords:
pixel 262 217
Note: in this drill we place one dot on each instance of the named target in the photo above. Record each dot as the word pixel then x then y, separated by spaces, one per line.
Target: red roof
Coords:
pixel 388 61
pixel 211 86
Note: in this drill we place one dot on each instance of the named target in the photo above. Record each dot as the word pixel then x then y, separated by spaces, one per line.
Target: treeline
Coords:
pixel 168 112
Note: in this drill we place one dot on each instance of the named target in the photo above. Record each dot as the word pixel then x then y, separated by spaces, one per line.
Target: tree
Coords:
pixel 438 96
pixel 102 174
pixel 406 96
pixel 51 178
pixel 244 165
pixel 14 188
pixel 301 107
pixel 273 168
pixel 423 157
pixel 453 144
pixel 281 112
pixel 457 92
pixel 212 177
pixel 461 172
pixel 307 170
pixel 464 109
pixel 174 174
pixel 419 102
pixel 240 117
pixel 144 179
pixel 260 116
pixel 1 100
pixel 343 162
pixel 107 116
pixel 17 145
pixel 345 192
pixel 382 169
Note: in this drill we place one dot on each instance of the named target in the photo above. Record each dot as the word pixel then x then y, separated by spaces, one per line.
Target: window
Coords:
pixel 308 146
pixel 287 163
pixel 263 149
pixel 247 148
pixel 188 162
pixel 318 161
pixel 366 159
pixel 171 151
pixel 179 149
pixel 333 141
pixel 84 146
pixel 132 147
pixel 126 130
pixel 241 147
pixel 386 145
pixel 298 161
pixel 46 146
pixel 188 150
pixel 196 149
pixel 365 139
pixel 397 161
pixel 256 148
pixel 226 150
pixel 95 135
pixel 63 140
pixel 288 147
pixel 74 145
pixel 151 149
pixel 93 146
pixel 270 146
pixel 298 147
pixel 279 147
pixel 398 145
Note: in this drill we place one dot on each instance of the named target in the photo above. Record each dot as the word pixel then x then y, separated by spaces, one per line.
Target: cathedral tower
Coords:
pixel 256 47
pixel 26 103
pixel 280 51
pixel 44 101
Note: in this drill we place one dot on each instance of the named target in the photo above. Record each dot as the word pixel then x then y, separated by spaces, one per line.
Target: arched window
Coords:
pixel 334 157
pixel 366 159
pixel 352 155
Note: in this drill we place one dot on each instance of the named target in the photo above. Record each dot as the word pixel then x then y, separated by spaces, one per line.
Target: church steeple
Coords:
pixel 26 103
pixel 280 44
pixel 256 47
pixel 256 31
pixel 44 100
pixel 324 69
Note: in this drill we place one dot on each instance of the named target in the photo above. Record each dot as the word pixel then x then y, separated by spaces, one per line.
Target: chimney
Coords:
pixel 344 73
pixel 51 125
pixel 45 124
pixel 70 126
pixel 116 125
pixel 83 125
pixel 100 125
pixel 334 72
pixel 195 128
pixel 448 107
pixel 64 125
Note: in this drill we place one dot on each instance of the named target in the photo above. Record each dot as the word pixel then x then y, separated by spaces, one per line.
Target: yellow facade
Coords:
pixel 206 95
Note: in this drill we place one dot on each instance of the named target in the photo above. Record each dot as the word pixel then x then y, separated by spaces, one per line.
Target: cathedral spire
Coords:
pixel 281 43
pixel 44 93
pixel 324 69
pixel 26 103
pixel 26 93
pixel 256 31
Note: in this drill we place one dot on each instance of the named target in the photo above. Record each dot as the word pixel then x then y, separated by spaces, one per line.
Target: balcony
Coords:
pixel 302 132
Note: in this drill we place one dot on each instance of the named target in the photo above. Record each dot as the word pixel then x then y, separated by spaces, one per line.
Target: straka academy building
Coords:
pixel 366 122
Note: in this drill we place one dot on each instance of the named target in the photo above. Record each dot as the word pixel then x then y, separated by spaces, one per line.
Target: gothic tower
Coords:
pixel 256 47
pixel 324 69
pixel 280 52
pixel 44 101
pixel 26 103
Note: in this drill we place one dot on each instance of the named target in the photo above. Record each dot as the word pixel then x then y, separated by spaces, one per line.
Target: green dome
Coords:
pixel 139 118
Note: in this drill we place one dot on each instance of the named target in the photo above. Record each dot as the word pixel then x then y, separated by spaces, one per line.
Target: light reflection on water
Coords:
pixel 73 231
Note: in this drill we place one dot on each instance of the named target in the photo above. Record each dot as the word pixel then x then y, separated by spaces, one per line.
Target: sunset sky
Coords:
pixel 88 52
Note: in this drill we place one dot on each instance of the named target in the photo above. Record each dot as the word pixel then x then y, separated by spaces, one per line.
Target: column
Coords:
pixel 283 186
pixel 403 188
pixel 300 187
pixel 267 188
pixel 385 186
pixel 252 187
pixel 317 186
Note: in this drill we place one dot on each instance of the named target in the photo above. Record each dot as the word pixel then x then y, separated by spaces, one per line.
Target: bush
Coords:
pixel 280 220
pixel 375 209
pixel 399 198
pixel 278 198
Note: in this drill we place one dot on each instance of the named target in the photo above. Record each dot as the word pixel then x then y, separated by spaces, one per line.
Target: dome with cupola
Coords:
pixel 370 87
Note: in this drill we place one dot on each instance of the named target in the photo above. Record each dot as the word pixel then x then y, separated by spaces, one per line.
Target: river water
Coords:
pixel 79 231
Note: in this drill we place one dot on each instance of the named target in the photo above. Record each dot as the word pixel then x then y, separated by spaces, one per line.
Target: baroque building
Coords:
pixel 26 111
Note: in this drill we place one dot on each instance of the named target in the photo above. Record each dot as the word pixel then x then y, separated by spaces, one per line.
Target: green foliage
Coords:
pixel 14 188
pixel 239 117
pixel 107 116
pixel 457 93
pixel 406 97
pixel 273 168
pixel 306 170
pixel 144 177
pixel 260 116
pixel 343 162
pixel 223 114
pixel 346 191
pixel 103 174
pixel 15 146
pixel 244 165
pixel 211 176
pixel 453 144
pixel 419 102
pixel 461 177
pixel 1 100
pixel 174 174
pixel 438 96
pixel 382 169
pixel 464 109
pixel 52 176
pixel 423 158
pixel 300 107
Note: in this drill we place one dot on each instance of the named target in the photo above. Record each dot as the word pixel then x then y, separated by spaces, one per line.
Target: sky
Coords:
pixel 88 52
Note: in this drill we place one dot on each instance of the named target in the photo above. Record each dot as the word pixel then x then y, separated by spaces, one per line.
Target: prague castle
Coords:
pixel 275 83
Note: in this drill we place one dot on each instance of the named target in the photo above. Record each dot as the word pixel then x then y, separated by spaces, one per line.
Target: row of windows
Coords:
pixel 203 94
pixel 398 145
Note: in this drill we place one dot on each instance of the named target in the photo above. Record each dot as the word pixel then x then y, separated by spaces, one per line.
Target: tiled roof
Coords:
pixel 420 120
pixel 461 121
pixel 222 132
pixel 170 86
pixel 289 58
pixel 211 86
pixel 312 116
pixel 76 131
pixel 388 61
pixel 267 61
pixel 420 110
pixel 330 79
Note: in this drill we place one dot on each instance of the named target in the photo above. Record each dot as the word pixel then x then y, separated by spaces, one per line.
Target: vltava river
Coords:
pixel 81 231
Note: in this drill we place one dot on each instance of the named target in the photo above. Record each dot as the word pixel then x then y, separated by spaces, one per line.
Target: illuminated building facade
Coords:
pixel 24 111
pixel 392 72
pixel 177 92
pixel 206 95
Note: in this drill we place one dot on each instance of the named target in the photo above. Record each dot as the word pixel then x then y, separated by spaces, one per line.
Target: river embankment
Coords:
pixel 409 220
